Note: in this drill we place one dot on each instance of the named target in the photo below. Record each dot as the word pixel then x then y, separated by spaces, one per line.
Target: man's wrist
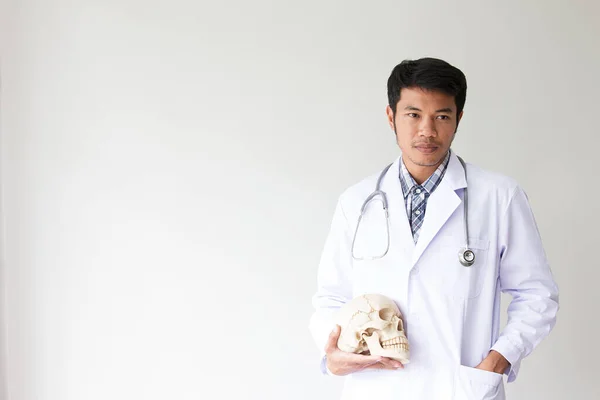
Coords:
pixel 494 362
pixel 498 363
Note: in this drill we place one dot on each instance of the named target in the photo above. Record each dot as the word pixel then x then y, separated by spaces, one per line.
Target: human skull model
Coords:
pixel 373 323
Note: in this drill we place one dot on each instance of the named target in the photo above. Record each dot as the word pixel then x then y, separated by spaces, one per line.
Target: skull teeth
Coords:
pixel 396 340
pixel 397 347
pixel 397 343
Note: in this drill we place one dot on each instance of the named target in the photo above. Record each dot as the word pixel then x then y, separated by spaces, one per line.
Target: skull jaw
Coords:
pixel 376 350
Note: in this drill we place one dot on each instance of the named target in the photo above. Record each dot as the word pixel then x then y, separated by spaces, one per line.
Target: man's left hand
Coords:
pixel 494 362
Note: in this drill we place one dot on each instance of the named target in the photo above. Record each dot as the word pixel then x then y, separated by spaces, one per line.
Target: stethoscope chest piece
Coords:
pixel 466 257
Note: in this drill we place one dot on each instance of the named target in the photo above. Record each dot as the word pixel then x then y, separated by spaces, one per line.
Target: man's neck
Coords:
pixel 420 173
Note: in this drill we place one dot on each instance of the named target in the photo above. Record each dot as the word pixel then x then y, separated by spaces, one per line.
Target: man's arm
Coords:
pixel 526 276
pixel 334 286
pixel 334 289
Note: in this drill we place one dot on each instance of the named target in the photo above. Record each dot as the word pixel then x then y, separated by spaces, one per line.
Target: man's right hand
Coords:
pixel 342 363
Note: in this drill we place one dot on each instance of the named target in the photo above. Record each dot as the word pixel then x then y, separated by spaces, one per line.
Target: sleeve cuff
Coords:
pixel 512 354
pixel 324 369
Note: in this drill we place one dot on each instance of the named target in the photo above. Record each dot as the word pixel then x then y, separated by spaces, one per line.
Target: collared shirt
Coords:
pixel 415 196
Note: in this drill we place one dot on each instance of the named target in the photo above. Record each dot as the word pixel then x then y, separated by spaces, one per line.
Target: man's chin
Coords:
pixel 426 161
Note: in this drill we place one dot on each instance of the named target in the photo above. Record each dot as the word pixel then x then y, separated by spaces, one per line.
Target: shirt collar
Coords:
pixel 407 182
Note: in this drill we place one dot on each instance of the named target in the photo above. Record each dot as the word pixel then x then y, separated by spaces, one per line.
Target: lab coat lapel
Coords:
pixel 441 205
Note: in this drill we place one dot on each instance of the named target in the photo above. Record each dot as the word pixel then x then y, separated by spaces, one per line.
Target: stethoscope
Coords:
pixel 465 255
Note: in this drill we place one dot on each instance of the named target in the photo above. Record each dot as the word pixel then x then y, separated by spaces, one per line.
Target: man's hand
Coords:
pixel 342 363
pixel 494 362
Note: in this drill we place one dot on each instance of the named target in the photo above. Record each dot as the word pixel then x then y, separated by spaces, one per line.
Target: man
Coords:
pixel 451 312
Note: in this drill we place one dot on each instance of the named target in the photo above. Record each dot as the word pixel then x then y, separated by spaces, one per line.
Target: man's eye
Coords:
pixel 412 115
pixel 443 117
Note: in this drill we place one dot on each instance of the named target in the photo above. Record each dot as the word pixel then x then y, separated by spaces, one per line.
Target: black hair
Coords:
pixel 428 74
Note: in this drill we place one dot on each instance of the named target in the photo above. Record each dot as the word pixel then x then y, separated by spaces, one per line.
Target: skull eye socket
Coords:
pixel 386 314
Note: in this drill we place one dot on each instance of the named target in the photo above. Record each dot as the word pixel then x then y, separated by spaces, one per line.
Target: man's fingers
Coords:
pixel 361 360
pixel 366 360
pixel 386 363
pixel 379 365
pixel 333 339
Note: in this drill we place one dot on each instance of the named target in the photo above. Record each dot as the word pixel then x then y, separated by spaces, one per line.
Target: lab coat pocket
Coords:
pixel 454 279
pixel 477 384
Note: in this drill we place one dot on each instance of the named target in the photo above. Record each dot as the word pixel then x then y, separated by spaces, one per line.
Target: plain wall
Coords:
pixel 170 170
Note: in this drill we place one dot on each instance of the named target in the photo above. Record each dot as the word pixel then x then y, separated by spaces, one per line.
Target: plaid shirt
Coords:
pixel 415 196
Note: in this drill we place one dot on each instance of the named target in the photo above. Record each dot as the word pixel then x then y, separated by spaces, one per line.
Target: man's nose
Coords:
pixel 427 127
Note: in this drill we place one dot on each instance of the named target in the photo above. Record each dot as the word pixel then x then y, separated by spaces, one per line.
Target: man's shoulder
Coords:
pixel 360 189
pixel 481 180
pixel 491 187
pixel 490 179
pixel 475 174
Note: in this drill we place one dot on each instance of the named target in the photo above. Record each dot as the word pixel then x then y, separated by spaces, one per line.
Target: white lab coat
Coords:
pixel 451 312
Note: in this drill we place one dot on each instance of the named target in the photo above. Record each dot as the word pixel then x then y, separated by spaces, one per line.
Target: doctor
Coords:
pixel 451 311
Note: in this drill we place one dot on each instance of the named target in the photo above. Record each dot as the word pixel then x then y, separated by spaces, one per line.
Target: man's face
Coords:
pixel 425 123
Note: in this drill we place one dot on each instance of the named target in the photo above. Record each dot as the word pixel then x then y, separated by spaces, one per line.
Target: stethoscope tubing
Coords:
pixel 465 256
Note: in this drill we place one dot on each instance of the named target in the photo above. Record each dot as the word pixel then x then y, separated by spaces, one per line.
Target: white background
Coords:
pixel 170 169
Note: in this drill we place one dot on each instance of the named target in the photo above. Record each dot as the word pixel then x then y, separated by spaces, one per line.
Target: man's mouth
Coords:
pixel 427 149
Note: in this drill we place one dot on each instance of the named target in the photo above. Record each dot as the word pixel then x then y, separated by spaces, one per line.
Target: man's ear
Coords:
pixel 458 119
pixel 390 117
